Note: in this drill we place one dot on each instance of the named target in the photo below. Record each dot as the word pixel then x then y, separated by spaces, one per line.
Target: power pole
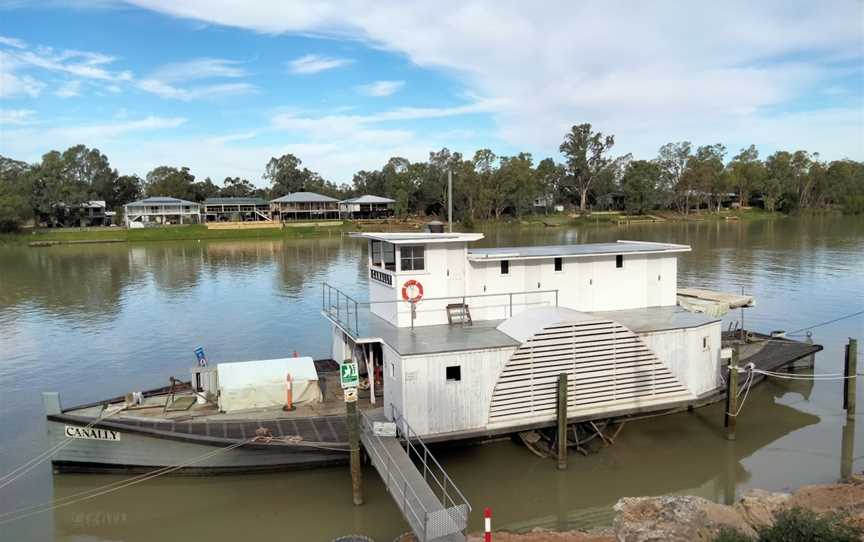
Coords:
pixel 450 200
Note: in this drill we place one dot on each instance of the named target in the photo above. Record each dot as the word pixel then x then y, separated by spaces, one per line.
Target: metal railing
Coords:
pixel 396 482
pixel 344 309
pixel 456 506
pixel 340 307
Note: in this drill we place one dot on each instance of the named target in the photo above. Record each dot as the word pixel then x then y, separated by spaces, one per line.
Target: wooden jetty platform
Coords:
pixel 429 500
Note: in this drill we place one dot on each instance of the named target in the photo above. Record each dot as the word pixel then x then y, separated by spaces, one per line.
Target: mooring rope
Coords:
pixel 748 383
pixel 109 488
pixel 813 377
pixel 31 464
pixel 852 315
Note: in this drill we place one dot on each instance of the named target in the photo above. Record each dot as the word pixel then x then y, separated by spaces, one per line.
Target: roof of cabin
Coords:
pixel 526 324
pixel 585 249
pixel 369 199
pixel 160 200
pixel 234 201
pixel 419 237
pixel 483 334
pixel 304 197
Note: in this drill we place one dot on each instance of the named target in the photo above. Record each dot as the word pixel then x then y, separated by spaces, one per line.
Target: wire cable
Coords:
pixel 852 315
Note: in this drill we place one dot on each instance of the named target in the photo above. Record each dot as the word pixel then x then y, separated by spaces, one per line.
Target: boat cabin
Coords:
pixel 470 340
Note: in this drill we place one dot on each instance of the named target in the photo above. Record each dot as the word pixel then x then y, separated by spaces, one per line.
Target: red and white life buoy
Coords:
pixel 412 291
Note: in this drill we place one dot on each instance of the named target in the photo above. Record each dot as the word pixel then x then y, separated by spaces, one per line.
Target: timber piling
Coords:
pixel 851 375
pixel 562 421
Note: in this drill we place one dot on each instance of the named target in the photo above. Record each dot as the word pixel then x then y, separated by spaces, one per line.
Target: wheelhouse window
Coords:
pixel 413 258
pixel 454 373
pixel 559 264
pixel 384 255
pixel 619 261
pixel 505 267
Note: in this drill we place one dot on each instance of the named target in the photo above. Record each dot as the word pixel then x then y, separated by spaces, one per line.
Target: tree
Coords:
pixel 127 188
pixel 87 171
pixel 549 178
pixel 705 173
pixel 235 187
pixel 672 159
pixel 746 172
pixel 286 176
pixel 14 207
pixel 640 185
pixel 585 153
pixel 171 182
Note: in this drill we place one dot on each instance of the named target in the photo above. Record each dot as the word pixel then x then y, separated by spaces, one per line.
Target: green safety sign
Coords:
pixel 348 374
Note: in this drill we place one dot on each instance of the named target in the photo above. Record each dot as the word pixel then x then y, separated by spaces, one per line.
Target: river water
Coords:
pixel 93 321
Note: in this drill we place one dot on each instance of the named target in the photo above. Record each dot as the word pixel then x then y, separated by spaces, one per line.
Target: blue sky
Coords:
pixel 345 85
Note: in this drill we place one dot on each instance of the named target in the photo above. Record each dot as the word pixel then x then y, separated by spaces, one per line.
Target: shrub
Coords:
pixel 731 535
pixel 801 525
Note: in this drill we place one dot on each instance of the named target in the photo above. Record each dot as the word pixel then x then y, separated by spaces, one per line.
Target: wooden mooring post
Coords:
pixel 850 382
pixel 730 417
pixel 353 422
pixel 562 421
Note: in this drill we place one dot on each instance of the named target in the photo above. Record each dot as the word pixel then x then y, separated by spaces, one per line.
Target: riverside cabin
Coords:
pixel 470 341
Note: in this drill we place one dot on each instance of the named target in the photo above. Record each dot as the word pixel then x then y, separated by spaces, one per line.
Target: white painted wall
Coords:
pixel 434 405
pixel 682 351
pixel 393 380
pixel 584 283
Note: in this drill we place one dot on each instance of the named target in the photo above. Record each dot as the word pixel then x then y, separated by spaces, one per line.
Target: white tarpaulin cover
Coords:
pixel 263 384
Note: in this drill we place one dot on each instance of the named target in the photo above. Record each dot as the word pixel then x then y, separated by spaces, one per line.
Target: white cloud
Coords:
pixel 12 42
pixel 381 89
pixel 19 117
pixel 78 63
pixel 626 69
pixel 315 63
pixel 166 90
pixel 13 86
pixel 199 68
pixel 69 89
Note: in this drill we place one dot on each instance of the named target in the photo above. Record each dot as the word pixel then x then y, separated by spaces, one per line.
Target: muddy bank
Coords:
pixel 686 518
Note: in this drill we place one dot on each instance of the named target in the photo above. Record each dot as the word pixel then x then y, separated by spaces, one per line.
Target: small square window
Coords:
pixel 619 261
pixel 505 267
pixel 559 264
pixel 454 373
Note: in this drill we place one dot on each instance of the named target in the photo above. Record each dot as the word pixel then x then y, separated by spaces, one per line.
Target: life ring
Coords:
pixel 415 287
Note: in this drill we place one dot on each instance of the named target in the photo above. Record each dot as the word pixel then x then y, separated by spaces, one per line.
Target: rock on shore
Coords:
pixel 687 518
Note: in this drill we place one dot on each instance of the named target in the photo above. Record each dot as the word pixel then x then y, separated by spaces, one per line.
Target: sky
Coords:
pixel 222 86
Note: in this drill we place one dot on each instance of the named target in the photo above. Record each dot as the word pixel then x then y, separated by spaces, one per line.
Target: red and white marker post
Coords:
pixel 487 524
pixel 289 394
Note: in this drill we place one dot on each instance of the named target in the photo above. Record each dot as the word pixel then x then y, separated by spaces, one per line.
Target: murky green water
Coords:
pixel 92 321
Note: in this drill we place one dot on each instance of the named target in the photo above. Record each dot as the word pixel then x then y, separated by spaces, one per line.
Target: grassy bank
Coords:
pixel 172 233
pixel 613 218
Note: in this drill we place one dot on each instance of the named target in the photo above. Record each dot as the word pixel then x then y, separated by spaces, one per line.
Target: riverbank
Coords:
pixel 758 515
pixel 194 232
pixel 197 232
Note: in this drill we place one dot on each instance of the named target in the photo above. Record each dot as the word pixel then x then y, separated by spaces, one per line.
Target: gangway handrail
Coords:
pixel 390 465
pixel 410 441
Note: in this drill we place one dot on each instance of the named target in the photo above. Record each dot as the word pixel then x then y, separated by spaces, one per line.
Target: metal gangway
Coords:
pixel 427 497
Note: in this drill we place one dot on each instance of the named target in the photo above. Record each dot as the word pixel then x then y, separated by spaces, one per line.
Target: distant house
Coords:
pixel 304 206
pixel 235 210
pixel 366 207
pixel 161 210
pixel 86 214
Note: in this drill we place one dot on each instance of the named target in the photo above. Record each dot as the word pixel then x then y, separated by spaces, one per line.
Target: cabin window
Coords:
pixel 559 264
pixel 388 256
pixel 505 267
pixel 376 252
pixel 706 344
pixel 619 261
pixel 413 258
pixel 454 373
pixel 384 255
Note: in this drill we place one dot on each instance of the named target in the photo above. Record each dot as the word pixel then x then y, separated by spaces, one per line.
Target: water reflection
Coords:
pixel 99 320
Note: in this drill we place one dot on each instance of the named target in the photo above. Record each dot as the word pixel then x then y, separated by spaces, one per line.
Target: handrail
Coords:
pixel 392 466
pixel 450 504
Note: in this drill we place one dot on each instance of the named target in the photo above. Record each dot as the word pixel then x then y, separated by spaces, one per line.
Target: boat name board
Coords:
pixel 90 433
pixel 382 277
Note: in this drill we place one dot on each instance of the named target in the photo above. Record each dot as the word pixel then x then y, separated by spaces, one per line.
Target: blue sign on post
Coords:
pixel 202 359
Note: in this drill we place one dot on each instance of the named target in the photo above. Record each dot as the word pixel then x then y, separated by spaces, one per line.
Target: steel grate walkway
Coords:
pixel 432 505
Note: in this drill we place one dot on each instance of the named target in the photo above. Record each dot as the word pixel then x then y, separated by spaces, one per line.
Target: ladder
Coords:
pixel 458 313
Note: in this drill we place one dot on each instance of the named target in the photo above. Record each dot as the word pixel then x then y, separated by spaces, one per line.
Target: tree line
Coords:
pixel 681 177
